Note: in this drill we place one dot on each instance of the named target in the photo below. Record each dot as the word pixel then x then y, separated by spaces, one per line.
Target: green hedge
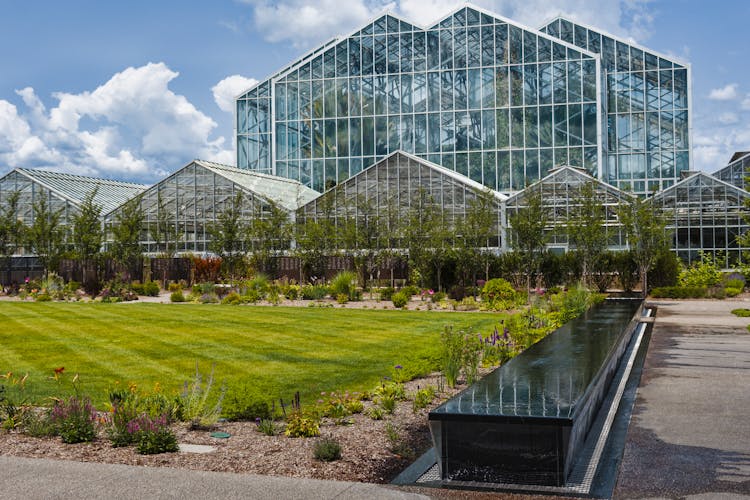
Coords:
pixel 680 292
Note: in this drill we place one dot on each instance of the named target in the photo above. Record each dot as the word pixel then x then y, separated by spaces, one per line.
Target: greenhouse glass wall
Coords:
pixel 561 195
pixel 706 214
pixel 476 93
pixel 180 209
pixel 647 109
pixel 64 194
pixel 388 192
pixel 737 171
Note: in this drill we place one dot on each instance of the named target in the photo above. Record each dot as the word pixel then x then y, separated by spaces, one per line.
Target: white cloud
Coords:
pixel 131 127
pixel 726 93
pixel 746 103
pixel 728 118
pixel 230 87
pixel 712 148
pixel 304 22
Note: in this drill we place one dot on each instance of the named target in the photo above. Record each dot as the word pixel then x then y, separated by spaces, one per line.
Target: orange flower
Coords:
pixel 59 371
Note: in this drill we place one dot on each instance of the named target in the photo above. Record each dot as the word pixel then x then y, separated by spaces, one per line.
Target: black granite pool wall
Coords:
pixel 526 421
pixel 586 411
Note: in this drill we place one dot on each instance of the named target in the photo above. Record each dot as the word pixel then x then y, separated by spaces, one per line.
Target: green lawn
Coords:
pixel 274 351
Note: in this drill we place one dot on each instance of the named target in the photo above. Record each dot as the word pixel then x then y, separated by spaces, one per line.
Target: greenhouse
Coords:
pixel 562 193
pixel 706 215
pixel 64 193
pixel 179 210
pixel 388 192
pixel 484 96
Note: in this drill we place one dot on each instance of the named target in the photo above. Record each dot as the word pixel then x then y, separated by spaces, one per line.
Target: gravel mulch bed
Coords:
pixel 366 450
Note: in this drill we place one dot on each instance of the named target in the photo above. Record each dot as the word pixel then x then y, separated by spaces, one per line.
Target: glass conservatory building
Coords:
pixel 478 94
pixel 64 194
pixel 179 210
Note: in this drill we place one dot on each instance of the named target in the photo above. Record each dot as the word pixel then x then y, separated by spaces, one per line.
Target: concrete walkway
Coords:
pixel 28 479
pixel 690 432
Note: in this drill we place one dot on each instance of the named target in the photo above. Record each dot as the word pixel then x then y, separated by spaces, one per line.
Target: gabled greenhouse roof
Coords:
pixel 287 193
pixel 74 188
pixel 571 175
pixel 434 166
pixel 700 180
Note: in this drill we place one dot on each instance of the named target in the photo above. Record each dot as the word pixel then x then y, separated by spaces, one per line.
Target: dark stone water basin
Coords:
pixel 524 422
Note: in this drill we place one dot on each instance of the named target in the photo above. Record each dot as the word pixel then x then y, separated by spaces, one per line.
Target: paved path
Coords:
pixel 690 431
pixel 29 479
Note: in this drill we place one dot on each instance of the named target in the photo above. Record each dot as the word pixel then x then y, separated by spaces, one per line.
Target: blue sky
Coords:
pixel 133 90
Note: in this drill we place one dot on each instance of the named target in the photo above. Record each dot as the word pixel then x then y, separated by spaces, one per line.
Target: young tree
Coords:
pixel 11 230
pixel 45 236
pixel 126 233
pixel 316 238
pixel 359 236
pixel 586 230
pixel 475 230
pixel 87 229
pixel 647 235
pixel 164 230
pixel 529 233
pixel 269 233
pixel 390 235
pixel 427 237
pixel 87 233
pixel 229 235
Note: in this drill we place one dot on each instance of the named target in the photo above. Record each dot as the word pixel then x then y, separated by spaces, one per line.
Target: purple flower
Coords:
pixel 398 367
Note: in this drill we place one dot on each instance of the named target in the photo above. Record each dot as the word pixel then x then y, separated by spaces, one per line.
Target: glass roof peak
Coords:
pixel 74 188
pixel 626 40
pixel 567 170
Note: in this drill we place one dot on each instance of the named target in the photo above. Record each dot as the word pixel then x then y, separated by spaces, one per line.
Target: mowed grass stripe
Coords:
pixel 274 350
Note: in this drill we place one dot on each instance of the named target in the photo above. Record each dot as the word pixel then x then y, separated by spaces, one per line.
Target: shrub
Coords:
pixel 39 424
pixel 460 352
pixel 705 273
pixel 499 294
pixel 299 425
pixel 387 293
pixel 393 390
pixel 665 271
pixel 735 283
pixel 387 403
pixel 177 296
pixel 152 435
pixel 244 405
pixel 175 287
pixel 468 304
pixel 410 290
pixel 74 419
pixel 742 313
pixel 376 413
pixel 422 398
pixel 679 292
pixel 159 441
pixel 344 284
pixel 314 292
pixel 232 298
pixel 732 292
pixel 327 450
pixel 209 298
pixel 266 426
pixel 292 292
pixel 151 289
pixel 195 405
pixel 342 298
pixel 400 300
